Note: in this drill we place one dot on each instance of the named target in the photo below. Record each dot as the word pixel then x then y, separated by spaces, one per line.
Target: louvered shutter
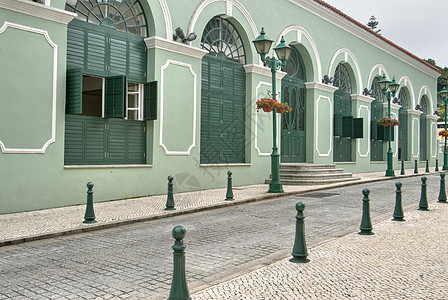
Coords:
pixel 136 59
pixel 118 57
pixel 358 128
pixel 95 141
pixel 347 126
pixel 75 46
pixel 115 97
pixel 135 142
pixel 74 140
pixel 96 53
pixel 150 101
pixel 73 93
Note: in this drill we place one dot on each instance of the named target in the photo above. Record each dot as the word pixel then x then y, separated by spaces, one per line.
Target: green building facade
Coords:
pixel 124 93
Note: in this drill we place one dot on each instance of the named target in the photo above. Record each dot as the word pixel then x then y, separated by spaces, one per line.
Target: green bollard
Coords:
pixel 170 199
pixel 402 168
pixel 366 223
pixel 299 251
pixel 427 166
pixel 179 287
pixel 229 194
pixel 423 205
pixel 89 216
pixel 437 165
pixel 398 212
pixel 416 168
pixel 442 193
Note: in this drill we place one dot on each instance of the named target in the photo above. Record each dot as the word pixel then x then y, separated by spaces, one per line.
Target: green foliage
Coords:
pixel 442 81
pixel 373 24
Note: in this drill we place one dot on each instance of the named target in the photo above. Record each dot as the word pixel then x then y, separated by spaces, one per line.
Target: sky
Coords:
pixel 417 26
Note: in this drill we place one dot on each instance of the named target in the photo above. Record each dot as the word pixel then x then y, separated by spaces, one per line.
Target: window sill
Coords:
pixel 226 165
pixel 105 166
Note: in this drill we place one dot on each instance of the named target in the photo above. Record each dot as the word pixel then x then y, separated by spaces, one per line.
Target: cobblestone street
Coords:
pixel 135 261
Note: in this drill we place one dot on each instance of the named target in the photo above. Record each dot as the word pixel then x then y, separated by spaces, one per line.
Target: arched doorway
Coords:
pixel 223 97
pixel 108 97
pixel 293 144
pixel 342 108
pixel 423 137
pixel 377 149
pixel 403 127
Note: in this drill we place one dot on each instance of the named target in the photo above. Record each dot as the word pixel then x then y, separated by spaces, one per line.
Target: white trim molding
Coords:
pixel 393 106
pixel 193 143
pixel 426 91
pixel 362 98
pixel 55 68
pixel 395 129
pixel 381 71
pixel 45 12
pixel 330 133
pixel 167 18
pixel 264 71
pixel 433 150
pixel 301 32
pixel 332 17
pixel 367 108
pixel 357 70
pixel 321 87
pixel 417 136
pixel 175 47
pixel 406 82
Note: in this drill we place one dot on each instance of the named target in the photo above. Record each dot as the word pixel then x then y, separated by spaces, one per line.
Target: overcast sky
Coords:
pixel 414 25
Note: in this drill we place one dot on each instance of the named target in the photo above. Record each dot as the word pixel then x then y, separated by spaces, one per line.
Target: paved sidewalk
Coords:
pixel 402 260
pixel 27 226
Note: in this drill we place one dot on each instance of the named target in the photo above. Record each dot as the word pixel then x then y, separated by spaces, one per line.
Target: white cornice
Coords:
pixel 265 71
pixel 414 112
pixel 176 47
pixel 341 22
pixel 362 98
pixel 392 106
pixel 321 87
pixel 38 10
pixel 432 117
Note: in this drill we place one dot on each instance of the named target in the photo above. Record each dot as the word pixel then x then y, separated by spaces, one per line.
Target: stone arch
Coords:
pixel 406 83
pixel 239 17
pixel 299 38
pixel 349 60
pixel 377 70
pixel 425 91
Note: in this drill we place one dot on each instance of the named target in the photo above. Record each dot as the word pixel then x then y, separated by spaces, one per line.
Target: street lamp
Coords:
pixel 389 87
pixel 262 45
pixel 444 94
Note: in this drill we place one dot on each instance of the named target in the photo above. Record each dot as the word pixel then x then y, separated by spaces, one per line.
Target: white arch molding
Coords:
pixel 426 91
pixel 381 71
pixel 167 18
pixel 301 32
pixel 347 53
pixel 406 82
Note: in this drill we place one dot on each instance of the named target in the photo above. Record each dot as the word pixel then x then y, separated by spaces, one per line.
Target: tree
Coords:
pixel 373 24
pixel 442 82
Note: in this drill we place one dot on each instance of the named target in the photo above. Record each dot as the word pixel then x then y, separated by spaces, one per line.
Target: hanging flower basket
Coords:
pixel 443 133
pixel 268 104
pixel 388 122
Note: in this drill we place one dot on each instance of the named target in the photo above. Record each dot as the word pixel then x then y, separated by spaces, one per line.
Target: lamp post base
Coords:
pixel 390 173
pixel 275 187
pixel 445 161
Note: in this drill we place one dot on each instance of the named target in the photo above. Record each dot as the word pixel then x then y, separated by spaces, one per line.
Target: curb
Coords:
pixel 112 224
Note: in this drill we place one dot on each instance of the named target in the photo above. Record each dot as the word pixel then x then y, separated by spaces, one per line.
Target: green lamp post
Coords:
pixel 262 45
pixel 444 94
pixel 389 89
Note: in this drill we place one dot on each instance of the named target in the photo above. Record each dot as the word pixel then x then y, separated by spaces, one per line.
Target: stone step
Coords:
pixel 314 182
pixel 317 176
pixel 306 166
pixel 310 171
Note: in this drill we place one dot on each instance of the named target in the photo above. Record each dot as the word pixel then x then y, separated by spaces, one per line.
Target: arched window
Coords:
pixel 223 94
pixel 122 15
pixel 342 79
pixel 221 39
pixel 295 67
pixel 403 127
pixel 377 132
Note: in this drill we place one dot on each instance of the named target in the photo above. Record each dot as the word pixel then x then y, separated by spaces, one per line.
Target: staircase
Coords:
pixel 312 174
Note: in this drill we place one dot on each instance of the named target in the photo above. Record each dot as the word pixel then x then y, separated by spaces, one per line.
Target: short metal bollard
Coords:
pixel 402 168
pixel 398 212
pixel 179 287
pixel 437 165
pixel 170 199
pixel 299 251
pixel 416 167
pixel 427 166
pixel 423 205
pixel 89 216
pixel 442 193
pixel 229 194
pixel 366 223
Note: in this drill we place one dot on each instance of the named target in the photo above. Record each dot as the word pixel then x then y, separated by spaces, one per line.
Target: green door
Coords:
pixel 223 98
pixel 293 143
pixel 342 109
pixel 293 123
pixel 403 127
pixel 377 149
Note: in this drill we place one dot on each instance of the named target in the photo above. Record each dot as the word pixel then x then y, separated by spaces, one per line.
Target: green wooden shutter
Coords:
pixel 118 59
pixel 386 133
pixel 75 46
pixel 73 93
pixel 347 126
pixel 358 128
pixel 136 59
pixel 337 130
pixel 135 142
pixel 150 101
pixel 381 132
pixel 95 140
pixel 96 53
pixel 115 97
pixel 74 140
pixel 116 142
